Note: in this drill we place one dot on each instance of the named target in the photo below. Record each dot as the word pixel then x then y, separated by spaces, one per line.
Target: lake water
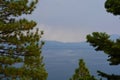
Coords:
pixel 61 62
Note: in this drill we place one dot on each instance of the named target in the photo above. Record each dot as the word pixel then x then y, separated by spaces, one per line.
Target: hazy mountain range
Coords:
pixel 57 44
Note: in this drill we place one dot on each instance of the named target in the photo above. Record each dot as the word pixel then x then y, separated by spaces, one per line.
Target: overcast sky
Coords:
pixel 72 20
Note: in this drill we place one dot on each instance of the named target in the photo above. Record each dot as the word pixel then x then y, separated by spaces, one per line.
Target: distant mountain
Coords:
pixel 56 44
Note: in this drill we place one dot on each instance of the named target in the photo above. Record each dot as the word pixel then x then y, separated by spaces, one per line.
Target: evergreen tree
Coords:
pixel 101 41
pixel 82 73
pixel 113 6
pixel 18 43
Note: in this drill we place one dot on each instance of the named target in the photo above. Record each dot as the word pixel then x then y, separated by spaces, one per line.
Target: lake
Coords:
pixel 61 62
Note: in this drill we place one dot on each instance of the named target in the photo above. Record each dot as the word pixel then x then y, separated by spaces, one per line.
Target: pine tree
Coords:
pixel 108 76
pixel 82 73
pixel 18 43
pixel 113 6
pixel 101 41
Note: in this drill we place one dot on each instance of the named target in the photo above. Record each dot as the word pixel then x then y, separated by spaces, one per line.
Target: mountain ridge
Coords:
pixel 57 44
pixel 84 44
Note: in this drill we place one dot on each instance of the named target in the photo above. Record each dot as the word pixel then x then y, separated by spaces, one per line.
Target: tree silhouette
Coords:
pixel 82 73
pixel 108 76
pixel 113 6
pixel 20 47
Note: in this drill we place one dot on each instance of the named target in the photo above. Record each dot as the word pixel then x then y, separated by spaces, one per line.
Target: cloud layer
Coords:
pixel 61 34
pixel 72 20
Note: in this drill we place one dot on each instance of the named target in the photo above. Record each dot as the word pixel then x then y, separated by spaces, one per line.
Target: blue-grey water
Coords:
pixel 61 62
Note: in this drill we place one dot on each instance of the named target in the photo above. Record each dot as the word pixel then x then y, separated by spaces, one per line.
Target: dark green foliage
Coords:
pixel 82 73
pixel 108 76
pixel 18 43
pixel 15 8
pixel 113 6
pixel 101 41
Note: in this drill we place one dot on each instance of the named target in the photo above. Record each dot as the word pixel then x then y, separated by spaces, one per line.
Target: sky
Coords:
pixel 72 20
